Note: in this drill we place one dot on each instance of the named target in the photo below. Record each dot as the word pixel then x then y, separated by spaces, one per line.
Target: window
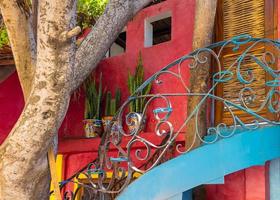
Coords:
pixel 235 20
pixel 119 46
pixel 158 29
pixel 155 2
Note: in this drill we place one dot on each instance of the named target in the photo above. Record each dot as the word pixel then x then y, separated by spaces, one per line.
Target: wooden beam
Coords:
pixel 7 63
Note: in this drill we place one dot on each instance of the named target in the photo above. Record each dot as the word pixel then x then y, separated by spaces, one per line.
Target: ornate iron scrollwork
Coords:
pixel 119 134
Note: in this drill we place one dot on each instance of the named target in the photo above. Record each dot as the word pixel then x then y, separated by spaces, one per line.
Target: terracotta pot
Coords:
pixel 133 120
pixel 106 121
pixel 93 128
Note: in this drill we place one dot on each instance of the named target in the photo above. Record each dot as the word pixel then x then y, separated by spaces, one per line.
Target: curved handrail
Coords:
pixel 211 162
pixel 126 129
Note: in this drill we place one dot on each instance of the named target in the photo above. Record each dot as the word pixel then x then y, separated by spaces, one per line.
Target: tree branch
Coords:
pixel 35 4
pixel 23 153
pixel 203 30
pixel 21 39
pixel 66 35
pixel 103 34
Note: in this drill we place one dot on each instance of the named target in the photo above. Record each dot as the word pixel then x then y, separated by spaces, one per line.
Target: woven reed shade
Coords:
pixel 231 89
pixel 6 56
pixel 243 17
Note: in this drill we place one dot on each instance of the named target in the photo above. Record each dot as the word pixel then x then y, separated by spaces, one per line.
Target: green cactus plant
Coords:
pixel 108 103
pixel 93 96
pixel 118 98
pixel 112 104
pixel 135 81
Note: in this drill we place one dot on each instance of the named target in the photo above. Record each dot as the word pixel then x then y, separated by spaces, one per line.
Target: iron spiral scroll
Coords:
pixel 131 160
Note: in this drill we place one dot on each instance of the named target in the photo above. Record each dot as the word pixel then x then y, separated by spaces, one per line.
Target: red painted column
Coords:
pixel 248 184
pixel 255 186
pixel 232 189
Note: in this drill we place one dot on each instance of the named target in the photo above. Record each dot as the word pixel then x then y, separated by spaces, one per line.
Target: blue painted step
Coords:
pixel 206 164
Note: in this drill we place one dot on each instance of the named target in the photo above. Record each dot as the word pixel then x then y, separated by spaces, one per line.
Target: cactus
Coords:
pixel 108 103
pixel 135 81
pixel 130 83
pixel 93 98
pixel 99 97
pixel 111 105
pixel 118 97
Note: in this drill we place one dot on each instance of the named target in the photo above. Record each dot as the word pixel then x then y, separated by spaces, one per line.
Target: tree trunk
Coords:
pixel 24 166
pixel 22 42
pixel 115 17
pixel 203 30
pixel 23 162
pixel 34 18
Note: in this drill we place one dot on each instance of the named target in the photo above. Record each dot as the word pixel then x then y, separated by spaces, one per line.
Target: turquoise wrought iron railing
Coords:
pixel 126 129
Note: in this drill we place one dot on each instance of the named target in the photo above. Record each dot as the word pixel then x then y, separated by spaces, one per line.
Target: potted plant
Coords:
pixel 136 106
pixel 111 106
pixel 93 96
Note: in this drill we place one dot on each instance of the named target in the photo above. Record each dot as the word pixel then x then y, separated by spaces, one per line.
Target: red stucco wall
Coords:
pixel 115 70
pixel 11 104
pixel 247 184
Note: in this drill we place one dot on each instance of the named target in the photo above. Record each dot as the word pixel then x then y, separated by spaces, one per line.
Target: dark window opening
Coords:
pixel 121 40
pixel 161 30
pixel 119 46
pixel 155 2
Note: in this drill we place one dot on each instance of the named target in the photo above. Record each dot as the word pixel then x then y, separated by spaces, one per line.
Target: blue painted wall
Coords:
pixel 205 164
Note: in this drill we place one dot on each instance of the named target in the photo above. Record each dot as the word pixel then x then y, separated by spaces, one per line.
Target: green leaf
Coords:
pixel 93 98
pixel 118 98
pixel 113 107
pixel 89 11
pixel 4 39
pixel 134 82
pixel 98 107
pixel 108 103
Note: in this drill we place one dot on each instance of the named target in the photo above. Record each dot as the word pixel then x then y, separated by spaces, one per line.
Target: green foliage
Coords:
pixel 112 105
pixel 135 81
pixel 108 103
pixel 89 11
pixel 93 96
pixel 118 98
pixel 4 39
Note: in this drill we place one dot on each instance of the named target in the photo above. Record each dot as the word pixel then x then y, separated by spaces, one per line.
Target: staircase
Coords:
pixel 249 135
pixel 212 163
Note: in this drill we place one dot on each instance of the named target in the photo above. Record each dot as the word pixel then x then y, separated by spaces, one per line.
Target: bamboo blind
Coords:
pixel 243 17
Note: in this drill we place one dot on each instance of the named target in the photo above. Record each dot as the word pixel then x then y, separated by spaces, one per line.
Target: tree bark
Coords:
pixel 21 39
pixel 203 30
pixel 34 18
pixel 23 162
pixel 24 166
pixel 103 34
